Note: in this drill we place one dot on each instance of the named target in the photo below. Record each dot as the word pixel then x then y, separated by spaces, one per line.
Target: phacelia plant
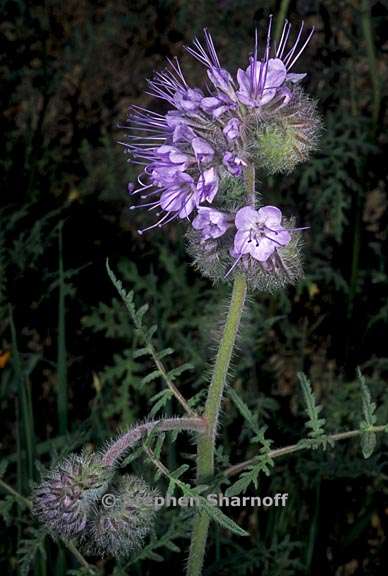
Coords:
pixel 200 162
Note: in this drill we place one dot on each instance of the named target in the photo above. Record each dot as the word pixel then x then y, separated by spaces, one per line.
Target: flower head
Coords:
pixel 208 136
pixel 211 223
pixel 269 78
pixel 124 517
pixel 259 232
pixel 261 244
pixel 196 157
pixel 64 499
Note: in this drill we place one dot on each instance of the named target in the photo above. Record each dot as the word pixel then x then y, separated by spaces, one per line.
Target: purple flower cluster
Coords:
pixel 188 152
pixel 257 233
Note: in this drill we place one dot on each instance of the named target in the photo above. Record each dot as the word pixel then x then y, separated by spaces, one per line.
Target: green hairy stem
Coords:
pixel 277 452
pixel 206 444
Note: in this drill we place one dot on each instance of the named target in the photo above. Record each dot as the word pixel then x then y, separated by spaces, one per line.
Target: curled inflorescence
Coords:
pixel 65 498
pixel 197 157
pixel 83 499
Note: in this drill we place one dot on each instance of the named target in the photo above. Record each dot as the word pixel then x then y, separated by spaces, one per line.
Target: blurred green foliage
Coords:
pixel 71 69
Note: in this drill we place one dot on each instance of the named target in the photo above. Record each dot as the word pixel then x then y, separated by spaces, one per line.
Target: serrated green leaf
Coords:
pixel 28 549
pixel 368 407
pixel 3 467
pixel 241 485
pixel 222 519
pixel 315 424
pixel 141 352
pixel 165 352
pixel 161 403
pixel 6 506
pixel 243 409
pixel 155 557
pixel 140 313
pixel 180 471
pixel 149 334
pixel 173 547
pixel 368 444
pixel 175 372
pixel 150 377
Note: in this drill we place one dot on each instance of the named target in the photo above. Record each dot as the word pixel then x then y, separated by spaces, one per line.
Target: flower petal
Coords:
pixel 207 186
pixel 246 218
pixel 280 237
pixel 262 250
pixel 188 206
pixel 202 150
pixel 244 81
pixel 294 78
pixel 270 216
pixel 276 73
pixel 232 129
pixel 241 243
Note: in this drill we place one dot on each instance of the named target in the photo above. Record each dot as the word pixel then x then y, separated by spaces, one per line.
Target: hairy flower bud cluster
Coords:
pixel 260 119
pixel 65 498
pixel 86 499
pixel 281 141
pixel 83 500
pixel 125 518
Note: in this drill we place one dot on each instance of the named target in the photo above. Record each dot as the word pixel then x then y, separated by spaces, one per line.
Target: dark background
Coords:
pixel 70 70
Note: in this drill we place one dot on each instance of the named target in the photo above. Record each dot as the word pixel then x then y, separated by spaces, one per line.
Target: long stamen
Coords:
pixel 289 54
pixel 278 48
pixel 234 265
pixel 302 49
pixel 156 225
pixel 144 205
pixel 211 48
pixel 266 57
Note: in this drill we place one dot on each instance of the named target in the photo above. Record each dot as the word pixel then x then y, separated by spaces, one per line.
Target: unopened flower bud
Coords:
pixel 64 499
pixel 284 137
pixel 123 518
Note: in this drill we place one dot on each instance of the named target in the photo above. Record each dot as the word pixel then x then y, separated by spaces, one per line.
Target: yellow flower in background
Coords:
pixel 4 358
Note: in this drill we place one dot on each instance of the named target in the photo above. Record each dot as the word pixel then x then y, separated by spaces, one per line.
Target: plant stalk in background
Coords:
pixel 62 400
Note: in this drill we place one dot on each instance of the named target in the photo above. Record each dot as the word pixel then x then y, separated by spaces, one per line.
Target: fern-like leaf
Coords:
pixel 262 464
pixel 317 437
pixel 29 548
pixel 368 437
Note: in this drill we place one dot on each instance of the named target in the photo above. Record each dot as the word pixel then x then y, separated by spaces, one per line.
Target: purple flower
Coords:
pixel 65 498
pixel 184 153
pixel 118 529
pixel 219 77
pixel 232 129
pixel 188 100
pixel 265 79
pixel 217 105
pixel 259 232
pixel 180 197
pixel 233 163
pixel 260 82
pixel 181 132
pixel 172 158
pixel 207 186
pixel 204 153
pixel 211 223
pixel 168 164
pixel 222 80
